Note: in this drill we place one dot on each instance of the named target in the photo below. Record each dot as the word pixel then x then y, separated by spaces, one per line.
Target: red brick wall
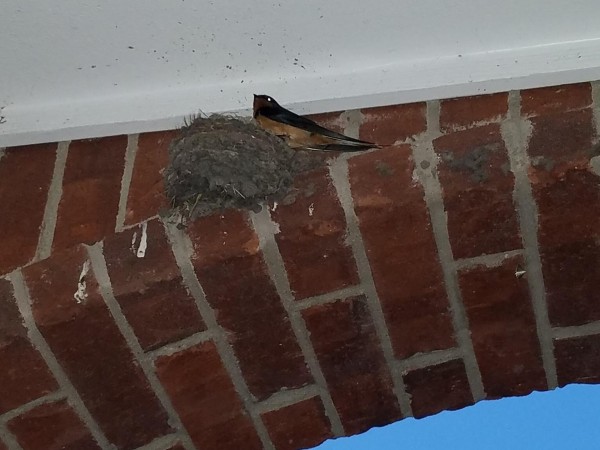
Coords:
pixel 458 264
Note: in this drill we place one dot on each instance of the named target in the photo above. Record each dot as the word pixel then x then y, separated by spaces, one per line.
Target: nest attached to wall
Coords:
pixel 220 162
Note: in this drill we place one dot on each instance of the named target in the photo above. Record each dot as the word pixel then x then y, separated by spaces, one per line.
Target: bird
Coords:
pixel 299 132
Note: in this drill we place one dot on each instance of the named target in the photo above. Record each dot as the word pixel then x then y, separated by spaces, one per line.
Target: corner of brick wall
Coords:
pixel 459 263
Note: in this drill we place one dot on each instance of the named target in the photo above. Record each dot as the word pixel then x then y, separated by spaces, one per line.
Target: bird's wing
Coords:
pixel 284 116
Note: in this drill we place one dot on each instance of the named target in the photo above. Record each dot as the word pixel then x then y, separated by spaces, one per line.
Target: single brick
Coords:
pixel 465 112
pixel 555 98
pixel 52 426
pixel 400 245
pixel 147 190
pixel 389 124
pixel 301 425
pixel 91 349
pixel 477 184
pixel 229 265
pixel 312 238
pixel 562 140
pixel 348 349
pixel 571 273
pixel 578 360
pixel 3 445
pixel 205 399
pixel 24 376
pixel 25 175
pixel 503 329
pixel 91 187
pixel 438 388
pixel 149 286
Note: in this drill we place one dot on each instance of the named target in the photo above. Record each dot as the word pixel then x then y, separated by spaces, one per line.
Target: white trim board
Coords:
pixel 393 83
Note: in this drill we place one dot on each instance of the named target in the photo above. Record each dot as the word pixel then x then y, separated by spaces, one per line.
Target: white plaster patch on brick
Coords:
pixel 44 247
pixel 23 299
pixel 96 256
pixel 311 209
pixel 141 251
pixel 80 294
pixel 274 207
pixel 132 145
pixel 516 133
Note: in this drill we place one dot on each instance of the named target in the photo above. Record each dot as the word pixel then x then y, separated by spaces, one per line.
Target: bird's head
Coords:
pixel 263 101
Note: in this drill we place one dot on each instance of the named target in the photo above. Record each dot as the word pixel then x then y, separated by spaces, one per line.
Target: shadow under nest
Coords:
pixel 221 162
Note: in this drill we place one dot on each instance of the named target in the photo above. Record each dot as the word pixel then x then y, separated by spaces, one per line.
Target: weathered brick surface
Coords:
pixel 578 359
pixel 503 329
pixel 229 265
pixel 312 238
pixel 3 446
pixel 477 184
pixel 149 288
pixel 348 349
pixel 91 187
pixel 437 388
pixel 567 194
pixel 25 175
pixel 400 245
pixel 52 426
pixel 94 354
pixel 147 190
pixel 562 140
pixel 24 375
pixel 386 125
pixel 301 425
pixel 555 98
pixel 205 399
pixel 464 112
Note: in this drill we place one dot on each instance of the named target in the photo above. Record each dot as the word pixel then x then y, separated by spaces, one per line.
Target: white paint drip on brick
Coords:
pixel 133 240
pixel 141 251
pixel 311 209
pixel 80 294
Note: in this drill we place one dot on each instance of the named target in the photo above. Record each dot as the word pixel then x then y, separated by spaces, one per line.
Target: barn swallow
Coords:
pixel 299 132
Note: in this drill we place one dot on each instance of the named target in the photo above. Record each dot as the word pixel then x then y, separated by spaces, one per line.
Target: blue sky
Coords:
pixel 565 419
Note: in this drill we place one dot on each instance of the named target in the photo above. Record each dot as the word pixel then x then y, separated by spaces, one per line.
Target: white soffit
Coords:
pixel 82 68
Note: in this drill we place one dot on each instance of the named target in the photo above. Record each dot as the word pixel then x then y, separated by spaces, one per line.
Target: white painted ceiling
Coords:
pixel 79 68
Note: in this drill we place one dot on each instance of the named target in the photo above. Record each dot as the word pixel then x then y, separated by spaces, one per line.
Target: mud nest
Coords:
pixel 222 162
